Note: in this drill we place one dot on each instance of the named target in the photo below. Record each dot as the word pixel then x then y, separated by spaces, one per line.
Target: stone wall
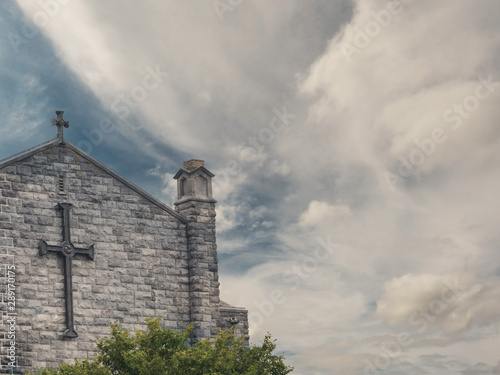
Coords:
pixel 140 270
pixel 203 267
pixel 230 316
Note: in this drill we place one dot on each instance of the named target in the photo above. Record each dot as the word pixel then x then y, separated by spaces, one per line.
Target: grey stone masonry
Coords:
pixel 196 203
pixel 230 316
pixel 150 260
pixel 202 265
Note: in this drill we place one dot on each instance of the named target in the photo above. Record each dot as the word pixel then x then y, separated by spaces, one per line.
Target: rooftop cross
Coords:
pixel 60 125
pixel 67 250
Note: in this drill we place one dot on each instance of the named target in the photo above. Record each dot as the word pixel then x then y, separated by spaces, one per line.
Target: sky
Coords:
pixel 355 144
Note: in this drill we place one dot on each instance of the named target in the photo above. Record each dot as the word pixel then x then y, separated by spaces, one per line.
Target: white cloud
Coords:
pixel 363 117
pixel 277 292
pixel 276 167
pixel 320 214
pixel 227 217
pixel 496 370
pixel 170 187
pixel 397 88
pixel 200 62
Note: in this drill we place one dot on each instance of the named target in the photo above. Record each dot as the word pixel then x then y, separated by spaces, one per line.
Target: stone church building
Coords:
pixel 81 247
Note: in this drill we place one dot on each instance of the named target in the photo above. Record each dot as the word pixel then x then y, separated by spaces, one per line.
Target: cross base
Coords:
pixel 70 333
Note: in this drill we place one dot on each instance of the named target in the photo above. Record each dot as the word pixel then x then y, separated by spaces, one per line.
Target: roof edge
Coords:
pixel 226 306
pixel 56 142
pixel 191 171
pixel 29 152
pixel 126 182
pixel 232 308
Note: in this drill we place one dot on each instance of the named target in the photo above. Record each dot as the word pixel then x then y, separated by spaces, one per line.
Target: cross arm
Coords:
pixel 44 247
pixel 89 252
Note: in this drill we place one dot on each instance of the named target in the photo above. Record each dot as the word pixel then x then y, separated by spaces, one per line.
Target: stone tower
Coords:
pixel 195 202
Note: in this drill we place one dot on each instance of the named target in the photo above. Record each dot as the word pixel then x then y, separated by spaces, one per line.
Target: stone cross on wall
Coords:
pixel 67 250
pixel 61 124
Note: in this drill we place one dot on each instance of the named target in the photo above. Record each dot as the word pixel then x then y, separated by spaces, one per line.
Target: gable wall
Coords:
pixel 140 267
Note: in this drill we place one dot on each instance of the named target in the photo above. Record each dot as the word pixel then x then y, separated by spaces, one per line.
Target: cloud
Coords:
pixel 322 213
pixel 198 62
pixel 449 303
pixel 278 290
pixel 496 370
pixel 227 217
pixel 382 90
pixel 374 114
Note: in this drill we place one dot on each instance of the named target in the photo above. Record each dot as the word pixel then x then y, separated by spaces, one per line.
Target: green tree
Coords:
pixel 162 351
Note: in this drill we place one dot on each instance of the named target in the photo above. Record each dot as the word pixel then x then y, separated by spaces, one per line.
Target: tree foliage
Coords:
pixel 162 351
